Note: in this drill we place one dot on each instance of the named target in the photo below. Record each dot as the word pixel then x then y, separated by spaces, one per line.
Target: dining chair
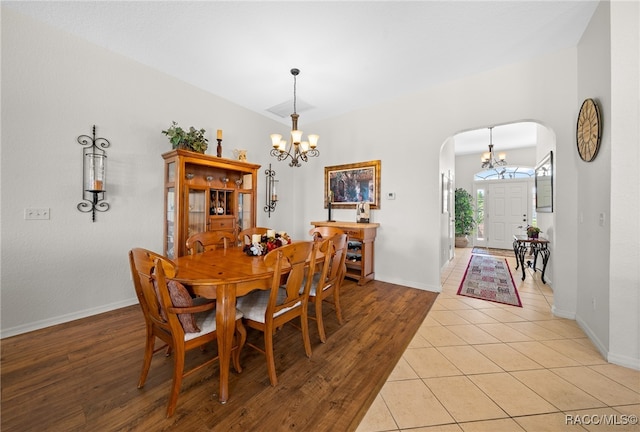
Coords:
pixel 244 236
pixel 172 316
pixel 268 310
pixel 327 282
pixel 322 232
pixel 210 240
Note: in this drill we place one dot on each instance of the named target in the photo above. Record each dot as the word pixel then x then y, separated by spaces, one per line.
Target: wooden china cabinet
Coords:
pixel 205 193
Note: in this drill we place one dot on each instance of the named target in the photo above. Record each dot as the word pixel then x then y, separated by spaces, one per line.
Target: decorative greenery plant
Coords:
pixel 464 212
pixel 193 139
pixel 532 231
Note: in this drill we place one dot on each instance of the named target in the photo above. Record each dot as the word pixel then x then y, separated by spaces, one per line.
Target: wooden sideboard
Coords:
pixel 360 252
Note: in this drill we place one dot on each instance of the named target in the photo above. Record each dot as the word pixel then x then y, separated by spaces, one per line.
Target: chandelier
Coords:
pixel 296 149
pixel 488 159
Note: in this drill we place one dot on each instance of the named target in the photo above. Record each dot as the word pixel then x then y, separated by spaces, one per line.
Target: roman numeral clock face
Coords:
pixel 588 130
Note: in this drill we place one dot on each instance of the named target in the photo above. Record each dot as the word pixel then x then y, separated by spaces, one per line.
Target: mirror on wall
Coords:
pixel 544 184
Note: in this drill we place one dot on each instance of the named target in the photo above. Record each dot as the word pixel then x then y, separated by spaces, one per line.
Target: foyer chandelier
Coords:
pixel 488 159
pixel 296 149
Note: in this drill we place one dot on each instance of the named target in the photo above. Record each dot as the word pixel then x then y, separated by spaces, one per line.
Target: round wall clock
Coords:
pixel 588 130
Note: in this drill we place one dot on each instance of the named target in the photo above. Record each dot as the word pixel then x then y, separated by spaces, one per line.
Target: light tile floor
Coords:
pixel 481 366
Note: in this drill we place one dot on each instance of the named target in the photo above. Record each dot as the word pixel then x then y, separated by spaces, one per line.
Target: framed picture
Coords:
pixel 347 185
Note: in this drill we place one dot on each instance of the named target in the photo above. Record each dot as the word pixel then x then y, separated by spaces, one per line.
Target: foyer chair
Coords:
pixel 326 284
pixel 171 316
pixel 244 237
pixel 323 232
pixel 210 240
pixel 268 310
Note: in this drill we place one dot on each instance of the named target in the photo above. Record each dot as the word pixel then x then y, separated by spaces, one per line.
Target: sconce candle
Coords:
pixel 271 197
pixel 93 174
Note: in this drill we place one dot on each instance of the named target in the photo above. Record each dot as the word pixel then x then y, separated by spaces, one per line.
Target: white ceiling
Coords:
pixel 351 54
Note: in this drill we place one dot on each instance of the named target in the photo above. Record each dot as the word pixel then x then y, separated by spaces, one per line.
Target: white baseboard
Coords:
pixel 25 328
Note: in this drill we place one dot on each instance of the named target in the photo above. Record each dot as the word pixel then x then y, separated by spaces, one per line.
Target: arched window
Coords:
pixel 504 173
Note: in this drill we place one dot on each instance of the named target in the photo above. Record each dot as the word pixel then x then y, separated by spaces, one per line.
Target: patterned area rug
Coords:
pixel 495 252
pixel 489 278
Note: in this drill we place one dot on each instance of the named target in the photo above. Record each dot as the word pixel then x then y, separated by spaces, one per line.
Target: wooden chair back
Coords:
pixel 334 267
pixel 290 263
pixel 330 278
pixel 269 310
pixel 210 240
pixel 147 266
pixel 161 318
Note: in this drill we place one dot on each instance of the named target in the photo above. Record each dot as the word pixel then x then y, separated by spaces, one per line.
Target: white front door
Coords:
pixel 506 211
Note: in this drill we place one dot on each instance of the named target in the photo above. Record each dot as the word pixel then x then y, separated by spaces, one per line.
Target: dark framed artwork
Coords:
pixel 347 185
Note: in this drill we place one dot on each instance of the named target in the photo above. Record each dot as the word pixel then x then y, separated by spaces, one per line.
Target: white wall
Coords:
pixel 594 184
pixel 54 88
pixel 624 271
pixel 407 135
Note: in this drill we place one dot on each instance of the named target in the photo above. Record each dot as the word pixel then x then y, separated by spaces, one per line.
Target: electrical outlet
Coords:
pixel 36 214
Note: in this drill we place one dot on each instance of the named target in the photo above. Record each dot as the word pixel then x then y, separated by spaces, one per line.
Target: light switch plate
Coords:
pixel 391 195
pixel 36 214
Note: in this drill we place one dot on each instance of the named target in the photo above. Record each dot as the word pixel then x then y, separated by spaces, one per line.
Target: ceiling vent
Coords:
pixel 284 109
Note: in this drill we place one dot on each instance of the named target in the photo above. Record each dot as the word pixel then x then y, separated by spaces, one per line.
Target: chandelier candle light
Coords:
pixel 488 159
pixel 298 150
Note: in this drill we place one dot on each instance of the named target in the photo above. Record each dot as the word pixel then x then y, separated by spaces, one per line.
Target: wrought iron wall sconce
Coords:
pixel 272 191
pixel 94 171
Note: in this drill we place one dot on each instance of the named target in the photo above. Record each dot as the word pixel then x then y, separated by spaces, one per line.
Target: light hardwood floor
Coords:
pixel 82 375
pixel 481 366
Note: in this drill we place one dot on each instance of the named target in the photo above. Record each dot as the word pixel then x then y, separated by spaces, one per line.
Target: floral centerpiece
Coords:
pixel 267 244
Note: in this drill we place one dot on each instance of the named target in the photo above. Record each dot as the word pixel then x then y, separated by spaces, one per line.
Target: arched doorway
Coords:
pixel 504 199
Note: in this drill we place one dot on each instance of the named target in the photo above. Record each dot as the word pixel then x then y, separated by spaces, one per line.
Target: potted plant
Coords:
pixel 464 216
pixel 533 232
pixel 192 139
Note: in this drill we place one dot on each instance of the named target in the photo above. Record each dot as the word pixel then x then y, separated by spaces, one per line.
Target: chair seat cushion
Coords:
pixel 314 285
pixel 254 304
pixel 206 321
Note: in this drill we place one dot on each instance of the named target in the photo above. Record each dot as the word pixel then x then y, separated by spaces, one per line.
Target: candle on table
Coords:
pixel 219 136
pixel 255 238
pixel 271 233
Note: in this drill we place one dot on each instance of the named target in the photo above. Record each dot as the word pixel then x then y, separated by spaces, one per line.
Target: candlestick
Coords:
pixel 329 208
pixel 219 148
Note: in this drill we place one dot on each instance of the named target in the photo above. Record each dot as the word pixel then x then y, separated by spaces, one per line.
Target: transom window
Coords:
pixel 504 173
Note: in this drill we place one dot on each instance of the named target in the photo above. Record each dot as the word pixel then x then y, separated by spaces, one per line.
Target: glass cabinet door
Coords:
pixel 245 216
pixel 197 212
pixel 170 228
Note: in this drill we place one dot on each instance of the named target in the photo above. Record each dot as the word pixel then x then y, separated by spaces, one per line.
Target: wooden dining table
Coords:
pixel 223 275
